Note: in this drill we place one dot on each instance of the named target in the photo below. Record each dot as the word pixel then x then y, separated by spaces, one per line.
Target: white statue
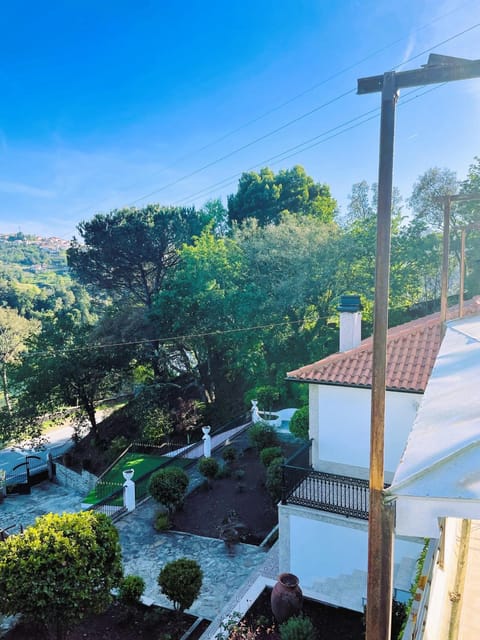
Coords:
pixel 207 442
pixel 255 412
pixel 129 490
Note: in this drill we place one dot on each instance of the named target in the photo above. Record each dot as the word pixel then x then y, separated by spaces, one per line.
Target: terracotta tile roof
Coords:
pixel 411 352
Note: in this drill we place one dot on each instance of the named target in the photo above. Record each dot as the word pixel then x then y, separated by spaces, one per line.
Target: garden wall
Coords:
pixel 81 482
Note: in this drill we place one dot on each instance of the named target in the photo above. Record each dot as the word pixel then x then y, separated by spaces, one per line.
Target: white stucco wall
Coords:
pixel 340 425
pixel 329 554
pixel 443 580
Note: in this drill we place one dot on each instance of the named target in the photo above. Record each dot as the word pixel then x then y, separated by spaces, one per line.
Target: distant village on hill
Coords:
pixel 52 244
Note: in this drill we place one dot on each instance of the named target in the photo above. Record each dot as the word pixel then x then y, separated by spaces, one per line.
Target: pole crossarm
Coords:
pixel 460 197
pixel 428 74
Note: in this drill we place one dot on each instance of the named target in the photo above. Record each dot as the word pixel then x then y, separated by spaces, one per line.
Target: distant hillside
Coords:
pixel 32 255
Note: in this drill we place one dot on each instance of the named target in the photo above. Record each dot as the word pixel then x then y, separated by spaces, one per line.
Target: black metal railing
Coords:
pixel 295 470
pixel 328 492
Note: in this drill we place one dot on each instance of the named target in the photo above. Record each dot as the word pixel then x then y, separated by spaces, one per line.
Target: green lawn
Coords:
pixel 144 464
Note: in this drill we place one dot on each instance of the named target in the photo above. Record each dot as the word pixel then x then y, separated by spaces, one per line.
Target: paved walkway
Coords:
pixel 45 497
pixel 146 551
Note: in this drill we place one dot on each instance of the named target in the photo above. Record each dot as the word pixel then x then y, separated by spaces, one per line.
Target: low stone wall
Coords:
pixel 81 482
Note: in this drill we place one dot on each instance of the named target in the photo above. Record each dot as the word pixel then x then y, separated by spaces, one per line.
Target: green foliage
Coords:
pixel 14 333
pixel 266 197
pixel 131 589
pixel 162 521
pixel 274 479
pixel 299 423
pixel 270 453
pixel 168 487
pixel 117 447
pixel 427 193
pixel 298 628
pixel 71 370
pixel 262 435
pixel 208 467
pixel 266 395
pixel 157 424
pixel 234 628
pixel 181 581
pixel 229 454
pixel 60 570
pixel 401 612
pixel 129 251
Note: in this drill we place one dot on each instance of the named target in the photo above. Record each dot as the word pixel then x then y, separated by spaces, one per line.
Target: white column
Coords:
pixel 207 442
pixel 128 490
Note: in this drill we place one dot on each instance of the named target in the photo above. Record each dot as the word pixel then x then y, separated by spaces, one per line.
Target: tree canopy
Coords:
pixel 129 251
pixel 14 331
pixel 266 195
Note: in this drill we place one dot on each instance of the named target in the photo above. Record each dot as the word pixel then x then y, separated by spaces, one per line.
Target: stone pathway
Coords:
pixel 146 551
pixel 45 497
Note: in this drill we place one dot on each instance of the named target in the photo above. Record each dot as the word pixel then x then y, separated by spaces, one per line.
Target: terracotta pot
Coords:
pixel 287 598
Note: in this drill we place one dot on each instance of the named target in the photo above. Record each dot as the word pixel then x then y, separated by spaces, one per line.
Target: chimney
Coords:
pixel 350 322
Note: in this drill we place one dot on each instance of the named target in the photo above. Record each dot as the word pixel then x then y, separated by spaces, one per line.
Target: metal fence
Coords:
pixel 329 492
pixel 111 505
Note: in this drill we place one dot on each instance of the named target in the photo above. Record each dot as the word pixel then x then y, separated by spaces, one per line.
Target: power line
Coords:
pixel 245 146
pixel 290 122
pixel 169 339
pixel 299 95
pixel 361 119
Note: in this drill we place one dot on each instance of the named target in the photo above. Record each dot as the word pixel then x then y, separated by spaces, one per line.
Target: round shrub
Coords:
pixel 270 453
pixel 262 435
pixel 298 628
pixel 168 487
pixel 181 581
pixel 131 589
pixel 299 423
pixel 208 467
pixel 274 479
pixel 229 454
pixel 60 569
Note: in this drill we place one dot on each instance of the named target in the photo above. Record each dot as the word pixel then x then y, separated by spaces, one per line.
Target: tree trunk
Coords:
pixel 5 388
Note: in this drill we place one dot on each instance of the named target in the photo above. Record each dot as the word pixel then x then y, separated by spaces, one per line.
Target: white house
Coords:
pixel 323 516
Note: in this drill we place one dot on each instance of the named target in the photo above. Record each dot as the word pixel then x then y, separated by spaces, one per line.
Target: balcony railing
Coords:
pixel 330 492
pixel 327 492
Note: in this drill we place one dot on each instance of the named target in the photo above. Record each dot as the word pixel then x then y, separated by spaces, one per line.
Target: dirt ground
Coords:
pixel 206 508
pixel 120 623
pixel 329 622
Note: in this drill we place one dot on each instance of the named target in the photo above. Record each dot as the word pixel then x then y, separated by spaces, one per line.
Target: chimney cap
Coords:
pixel 350 303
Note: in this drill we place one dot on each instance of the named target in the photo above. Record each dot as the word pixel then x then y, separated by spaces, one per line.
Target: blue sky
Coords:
pixel 104 103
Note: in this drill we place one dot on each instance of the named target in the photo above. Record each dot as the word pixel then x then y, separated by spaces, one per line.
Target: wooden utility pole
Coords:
pixel 447 205
pixel 381 519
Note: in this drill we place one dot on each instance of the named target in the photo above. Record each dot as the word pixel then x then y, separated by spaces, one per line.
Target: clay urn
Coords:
pixel 287 598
